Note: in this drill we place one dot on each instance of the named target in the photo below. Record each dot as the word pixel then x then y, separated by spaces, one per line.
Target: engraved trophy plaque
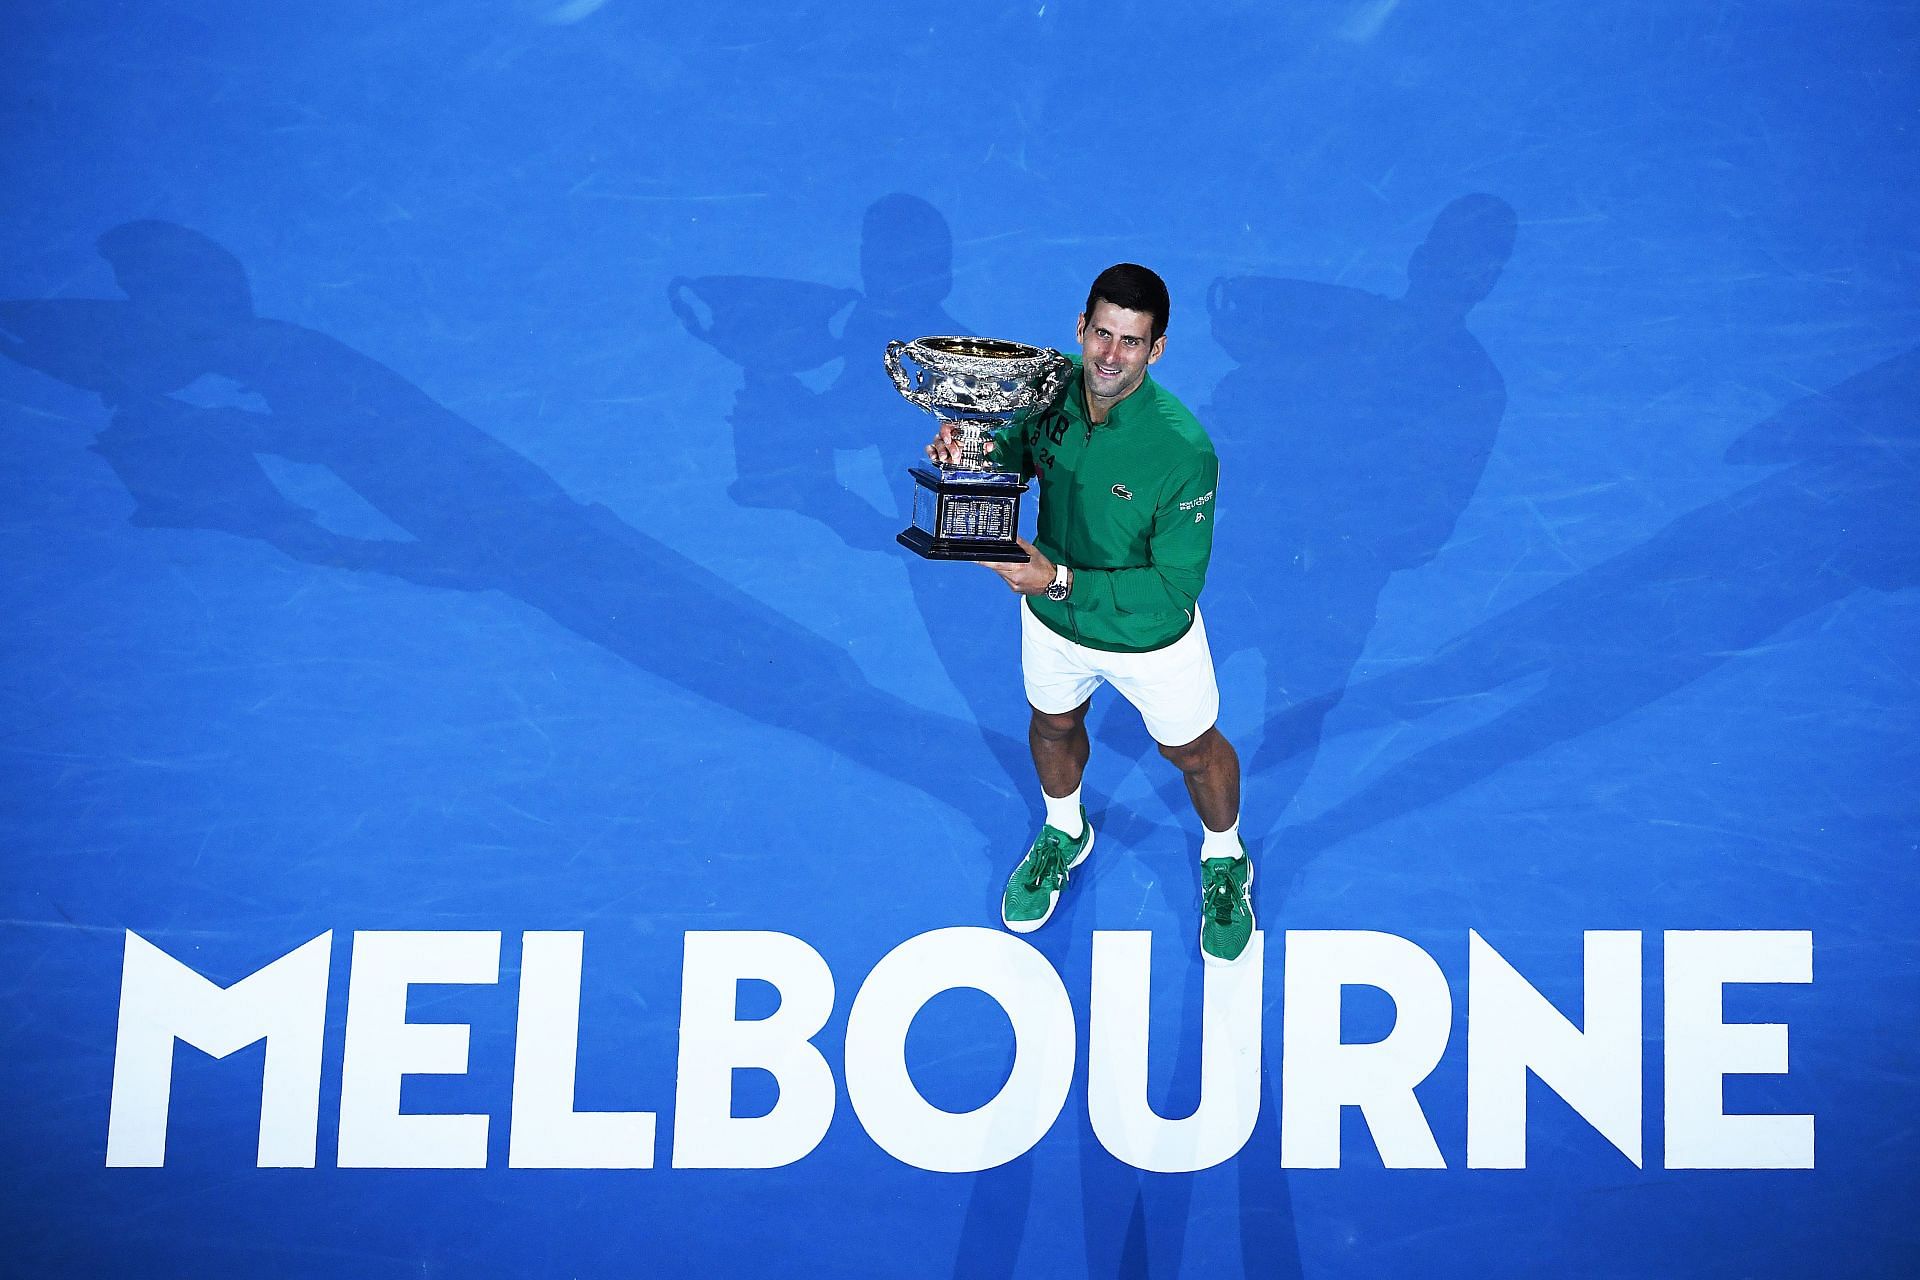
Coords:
pixel 971 510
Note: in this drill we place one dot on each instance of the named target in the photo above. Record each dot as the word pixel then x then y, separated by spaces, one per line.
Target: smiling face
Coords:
pixel 1116 346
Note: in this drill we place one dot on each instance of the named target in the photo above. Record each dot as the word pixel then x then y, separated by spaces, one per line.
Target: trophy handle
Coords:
pixel 678 290
pixel 1217 296
pixel 1058 370
pixel 901 382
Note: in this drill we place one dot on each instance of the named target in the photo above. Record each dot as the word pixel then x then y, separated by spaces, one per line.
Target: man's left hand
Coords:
pixel 1029 577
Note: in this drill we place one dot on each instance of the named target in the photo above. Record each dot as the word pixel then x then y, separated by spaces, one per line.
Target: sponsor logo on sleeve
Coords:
pixel 1200 501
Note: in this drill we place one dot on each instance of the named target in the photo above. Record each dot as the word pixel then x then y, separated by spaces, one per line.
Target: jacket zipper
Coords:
pixel 1073 614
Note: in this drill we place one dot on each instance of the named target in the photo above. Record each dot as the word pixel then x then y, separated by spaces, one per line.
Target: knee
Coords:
pixel 1196 756
pixel 1058 728
pixel 1190 758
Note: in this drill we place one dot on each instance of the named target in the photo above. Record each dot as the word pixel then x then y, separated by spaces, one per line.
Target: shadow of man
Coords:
pixel 1835 517
pixel 478 515
pixel 1354 433
pixel 785 434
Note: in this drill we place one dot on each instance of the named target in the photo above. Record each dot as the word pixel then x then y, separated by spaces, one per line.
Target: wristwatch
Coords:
pixel 1062 583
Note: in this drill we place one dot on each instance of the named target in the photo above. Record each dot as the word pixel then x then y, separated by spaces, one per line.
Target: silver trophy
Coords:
pixel 971 510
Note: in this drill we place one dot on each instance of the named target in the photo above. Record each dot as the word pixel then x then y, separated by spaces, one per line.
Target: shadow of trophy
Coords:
pixel 970 509
pixel 774 329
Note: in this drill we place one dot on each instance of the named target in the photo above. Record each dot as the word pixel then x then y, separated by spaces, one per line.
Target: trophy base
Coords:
pixel 928 547
pixel 965 516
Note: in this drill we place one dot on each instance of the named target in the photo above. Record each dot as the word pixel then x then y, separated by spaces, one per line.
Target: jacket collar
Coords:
pixel 1075 400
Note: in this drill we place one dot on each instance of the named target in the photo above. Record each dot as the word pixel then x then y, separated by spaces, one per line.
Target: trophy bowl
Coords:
pixel 762 323
pixel 970 510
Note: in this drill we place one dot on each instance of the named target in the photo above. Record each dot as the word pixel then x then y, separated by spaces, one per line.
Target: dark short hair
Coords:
pixel 1132 287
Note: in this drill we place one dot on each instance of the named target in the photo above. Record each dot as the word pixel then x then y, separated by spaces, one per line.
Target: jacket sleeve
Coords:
pixel 1012 446
pixel 1178 549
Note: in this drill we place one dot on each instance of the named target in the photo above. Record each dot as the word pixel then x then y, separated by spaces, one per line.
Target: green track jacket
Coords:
pixel 1128 504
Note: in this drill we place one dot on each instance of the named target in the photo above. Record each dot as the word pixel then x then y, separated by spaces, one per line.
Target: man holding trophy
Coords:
pixel 1110 584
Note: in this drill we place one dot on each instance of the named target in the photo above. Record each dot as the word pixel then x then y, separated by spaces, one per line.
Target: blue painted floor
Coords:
pixel 450 484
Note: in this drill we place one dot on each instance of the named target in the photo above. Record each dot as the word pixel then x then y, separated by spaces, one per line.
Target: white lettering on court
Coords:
pixel 892 1110
pixel 1319 1074
pixel 547 1132
pixel 714 1044
pixel 1513 1034
pixel 383 1048
pixel 161 1001
pixel 1513 1030
pixel 1117 1059
pixel 1702 1049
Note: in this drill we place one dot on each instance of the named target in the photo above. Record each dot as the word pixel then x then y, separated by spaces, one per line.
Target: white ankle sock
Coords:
pixel 1221 844
pixel 1063 812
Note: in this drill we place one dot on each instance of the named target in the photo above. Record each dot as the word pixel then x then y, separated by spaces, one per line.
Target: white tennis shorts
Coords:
pixel 1173 688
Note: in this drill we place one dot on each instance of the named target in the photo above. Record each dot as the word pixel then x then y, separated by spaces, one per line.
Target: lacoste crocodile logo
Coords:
pixel 1121 491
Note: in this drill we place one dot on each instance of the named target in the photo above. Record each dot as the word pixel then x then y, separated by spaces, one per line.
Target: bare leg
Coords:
pixel 1060 750
pixel 1212 771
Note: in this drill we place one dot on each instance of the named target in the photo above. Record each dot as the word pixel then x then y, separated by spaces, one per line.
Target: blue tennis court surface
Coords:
pixel 486 794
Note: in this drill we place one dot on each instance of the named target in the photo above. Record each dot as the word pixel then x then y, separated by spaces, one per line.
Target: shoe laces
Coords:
pixel 1048 862
pixel 1218 894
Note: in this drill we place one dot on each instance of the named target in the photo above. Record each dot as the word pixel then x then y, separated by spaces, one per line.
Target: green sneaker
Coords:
pixel 1226 907
pixel 1034 887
